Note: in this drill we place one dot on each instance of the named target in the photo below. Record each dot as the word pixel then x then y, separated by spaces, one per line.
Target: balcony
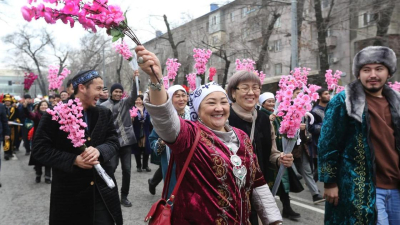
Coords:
pixel 331 42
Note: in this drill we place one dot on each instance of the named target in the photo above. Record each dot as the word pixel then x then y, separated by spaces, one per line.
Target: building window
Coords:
pixel 329 33
pixel 278 69
pixel 277 23
pixel 325 4
pixel 244 12
pixel 369 18
pixel 232 15
pixel 330 58
pixel 278 45
pixel 214 20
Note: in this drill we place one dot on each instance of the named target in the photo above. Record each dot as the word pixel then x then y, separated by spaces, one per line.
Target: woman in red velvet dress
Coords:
pixel 223 174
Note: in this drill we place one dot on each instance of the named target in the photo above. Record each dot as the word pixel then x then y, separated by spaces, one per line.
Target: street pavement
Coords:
pixel 24 202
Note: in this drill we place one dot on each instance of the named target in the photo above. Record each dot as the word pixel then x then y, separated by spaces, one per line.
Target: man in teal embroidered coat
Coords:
pixel 354 163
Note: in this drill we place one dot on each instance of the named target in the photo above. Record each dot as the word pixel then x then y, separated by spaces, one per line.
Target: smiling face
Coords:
pixel 116 94
pixel 214 110
pixel 64 96
pixel 269 104
pixel 373 77
pixel 139 102
pixel 246 94
pixel 90 94
pixel 43 106
pixel 179 100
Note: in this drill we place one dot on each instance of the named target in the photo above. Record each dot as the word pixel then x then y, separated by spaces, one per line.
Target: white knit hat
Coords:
pixel 265 96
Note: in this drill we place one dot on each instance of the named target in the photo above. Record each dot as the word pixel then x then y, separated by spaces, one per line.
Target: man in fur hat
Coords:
pixel 359 145
pixel 13 121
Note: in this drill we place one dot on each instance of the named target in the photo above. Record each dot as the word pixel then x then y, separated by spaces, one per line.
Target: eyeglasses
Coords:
pixel 246 89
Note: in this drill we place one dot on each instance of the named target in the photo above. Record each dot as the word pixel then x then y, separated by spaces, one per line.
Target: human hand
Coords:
pixel 302 126
pixel 272 117
pixel 331 194
pixel 90 154
pixel 135 74
pixel 286 159
pixel 84 165
pixel 149 59
pixel 7 137
pixel 25 103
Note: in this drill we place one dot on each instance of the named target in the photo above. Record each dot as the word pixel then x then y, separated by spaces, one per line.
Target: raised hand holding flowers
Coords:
pixel 29 78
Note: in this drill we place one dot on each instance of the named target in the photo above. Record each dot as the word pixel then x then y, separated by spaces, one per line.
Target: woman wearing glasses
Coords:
pixel 244 90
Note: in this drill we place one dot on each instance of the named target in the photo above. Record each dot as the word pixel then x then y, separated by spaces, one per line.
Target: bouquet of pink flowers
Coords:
pixel 191 78
pixel 69 116
pixel 166 82
pixel 332 81
pixel 133 112
pixel 248 64
pixel 395 86
pixel 172 68
pixel 123 49
pixel 212 73
pixel 29 78
pixel 201 57
pixel 292 110
pixel 55 79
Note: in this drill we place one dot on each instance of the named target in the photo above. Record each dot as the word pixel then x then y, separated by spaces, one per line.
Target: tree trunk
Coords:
pixel 40 79
pixel 322 48
pixel 119 70
pixel 265 41
pixel 300 9
pixel 226 70
pixel 385 15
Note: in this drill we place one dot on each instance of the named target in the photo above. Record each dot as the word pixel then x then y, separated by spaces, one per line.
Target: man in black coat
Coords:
pixel 78 193
pixel 4 128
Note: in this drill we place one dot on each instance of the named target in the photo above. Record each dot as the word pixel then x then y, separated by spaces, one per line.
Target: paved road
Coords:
pixel 23 202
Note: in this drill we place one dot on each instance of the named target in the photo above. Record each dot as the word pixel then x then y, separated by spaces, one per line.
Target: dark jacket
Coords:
pixel 35 117
pixel 4 128
pixel 122 118
pixel 262 143
pixel 74 191
pixel 142 127
pixel 315 129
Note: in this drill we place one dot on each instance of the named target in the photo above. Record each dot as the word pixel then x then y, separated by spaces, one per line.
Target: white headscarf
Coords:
pixel 199 94
pixel 265 96
pixel 171 90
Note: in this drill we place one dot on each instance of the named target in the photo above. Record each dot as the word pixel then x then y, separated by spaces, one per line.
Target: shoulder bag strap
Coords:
pixel 185 166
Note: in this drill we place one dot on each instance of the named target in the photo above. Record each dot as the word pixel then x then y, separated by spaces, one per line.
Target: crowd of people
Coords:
pixel 352 146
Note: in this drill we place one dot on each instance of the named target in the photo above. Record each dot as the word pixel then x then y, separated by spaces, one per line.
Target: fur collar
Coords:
pixel 355 99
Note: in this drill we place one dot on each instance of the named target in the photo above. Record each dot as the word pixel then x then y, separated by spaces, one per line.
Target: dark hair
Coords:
pixel 69 82
pixel 51 96
pixel 57 95
pixel 63 92
pixel 41 102
pixel 86 84
pixel 321 91
pixel 140 96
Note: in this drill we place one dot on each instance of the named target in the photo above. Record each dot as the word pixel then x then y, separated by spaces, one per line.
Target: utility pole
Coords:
pixel 295 38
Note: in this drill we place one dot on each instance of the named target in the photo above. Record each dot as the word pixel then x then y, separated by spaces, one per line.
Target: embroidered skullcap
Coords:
pixel 171 90
pixel 199 94
pixel 375 54
pixel 265 96
pixel 84 77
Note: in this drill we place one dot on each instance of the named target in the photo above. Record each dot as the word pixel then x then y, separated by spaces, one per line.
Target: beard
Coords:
pixel 324 100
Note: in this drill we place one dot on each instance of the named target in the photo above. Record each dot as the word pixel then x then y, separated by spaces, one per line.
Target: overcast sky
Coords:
pixel 144 17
